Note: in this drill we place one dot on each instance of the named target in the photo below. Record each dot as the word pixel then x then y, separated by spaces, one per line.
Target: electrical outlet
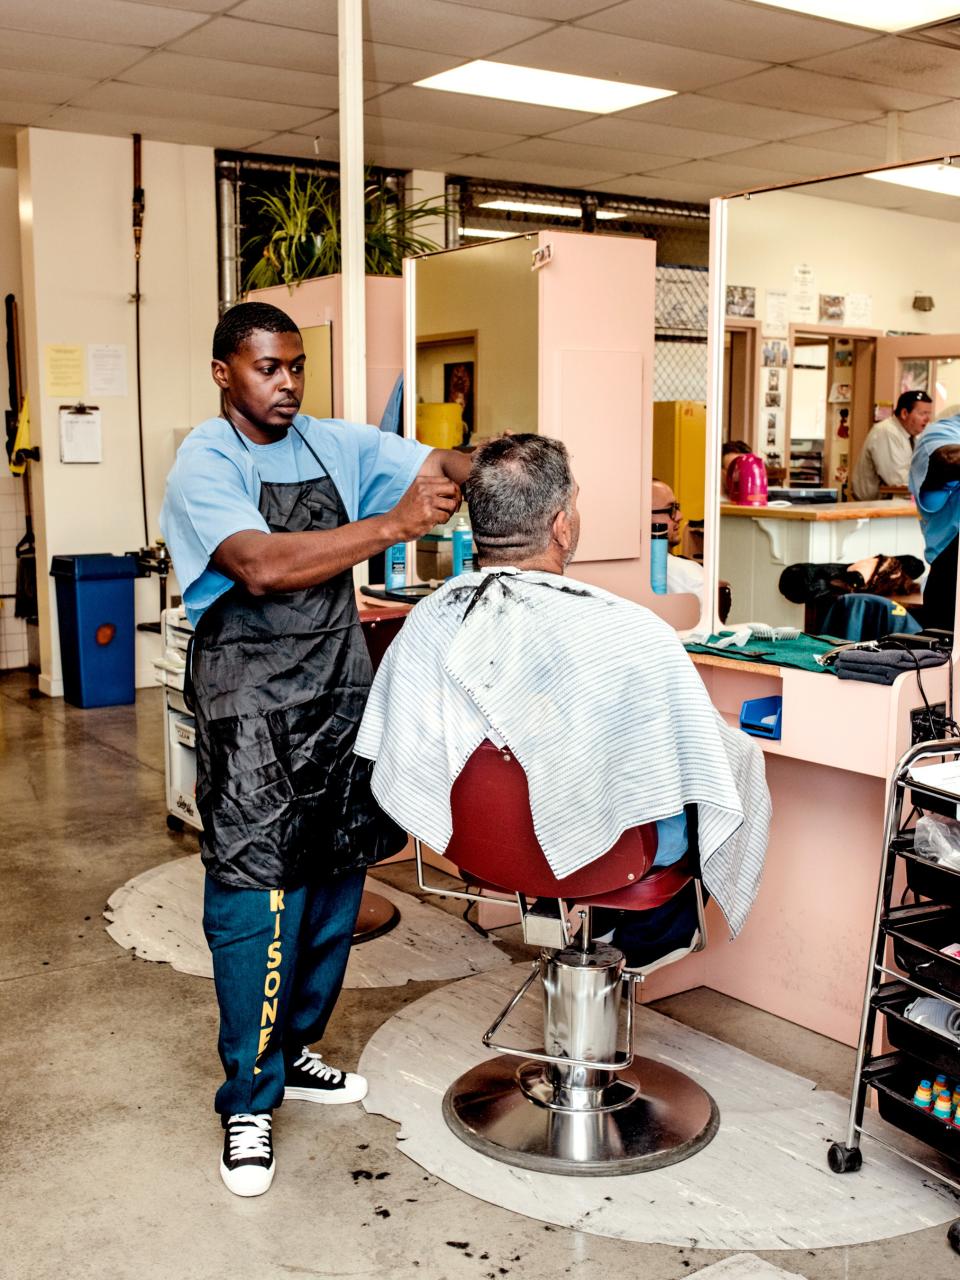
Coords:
pixel 920 728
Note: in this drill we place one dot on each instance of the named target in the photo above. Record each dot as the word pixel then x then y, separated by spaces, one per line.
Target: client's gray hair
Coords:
pixel 516 487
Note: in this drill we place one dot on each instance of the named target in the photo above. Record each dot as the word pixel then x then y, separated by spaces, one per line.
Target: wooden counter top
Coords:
pixel 734 664
pixel 825 512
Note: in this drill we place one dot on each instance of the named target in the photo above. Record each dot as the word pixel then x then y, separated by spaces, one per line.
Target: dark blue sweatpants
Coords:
pixel 279 957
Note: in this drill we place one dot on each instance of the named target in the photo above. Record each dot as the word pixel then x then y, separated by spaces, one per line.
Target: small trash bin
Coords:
pixel 97 632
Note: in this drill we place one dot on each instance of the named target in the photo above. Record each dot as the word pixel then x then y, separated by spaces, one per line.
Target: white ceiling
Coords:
pixel 763 96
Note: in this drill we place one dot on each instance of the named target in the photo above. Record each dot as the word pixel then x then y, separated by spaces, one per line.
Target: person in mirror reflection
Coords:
pixel 935 485
pixel 888 449
pixel 683 576
pixel 731 450
pixel 594 695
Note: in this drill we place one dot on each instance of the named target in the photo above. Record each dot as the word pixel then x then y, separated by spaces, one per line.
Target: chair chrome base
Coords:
pixel 652 1115
pixel 377 915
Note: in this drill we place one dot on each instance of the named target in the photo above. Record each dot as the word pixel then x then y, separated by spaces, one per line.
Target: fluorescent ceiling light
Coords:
pixel 942 179
pixel 543 88
pixel 478 233
pixel 878 15
pixel 548 210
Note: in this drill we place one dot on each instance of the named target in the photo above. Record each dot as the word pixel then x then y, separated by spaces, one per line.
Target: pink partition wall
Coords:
pixel 319 302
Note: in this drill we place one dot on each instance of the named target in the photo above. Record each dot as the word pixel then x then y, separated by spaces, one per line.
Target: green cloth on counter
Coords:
pixel 778 653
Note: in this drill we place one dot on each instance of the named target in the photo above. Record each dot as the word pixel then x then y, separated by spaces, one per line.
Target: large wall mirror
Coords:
pixel 554 333
pixel 833 297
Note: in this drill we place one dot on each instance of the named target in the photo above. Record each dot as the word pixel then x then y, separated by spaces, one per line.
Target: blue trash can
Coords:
pixel 97 632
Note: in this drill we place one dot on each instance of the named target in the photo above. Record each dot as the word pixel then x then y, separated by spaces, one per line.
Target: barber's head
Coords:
pixel 665 509
pixel 523 503
pixel 913 412
pixel 258 364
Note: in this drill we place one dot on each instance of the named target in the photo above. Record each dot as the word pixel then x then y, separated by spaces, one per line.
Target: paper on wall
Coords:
pixel 63 370
pixel 776 314
pixel 80 437
pixel 859 310
pixel 803 296
pixel 107 369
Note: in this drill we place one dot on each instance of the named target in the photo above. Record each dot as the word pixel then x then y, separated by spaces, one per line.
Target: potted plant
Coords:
pixel 299 238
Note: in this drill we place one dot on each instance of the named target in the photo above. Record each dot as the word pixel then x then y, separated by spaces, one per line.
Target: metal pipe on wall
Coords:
pixel 354 346
pixel 228 229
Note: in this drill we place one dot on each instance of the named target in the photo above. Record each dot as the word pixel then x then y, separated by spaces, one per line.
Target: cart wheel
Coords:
pixel 953 1236
pixel 174 823
pixel 843 1159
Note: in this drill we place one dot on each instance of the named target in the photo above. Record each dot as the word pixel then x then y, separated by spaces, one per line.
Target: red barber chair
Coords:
pixel 576 1105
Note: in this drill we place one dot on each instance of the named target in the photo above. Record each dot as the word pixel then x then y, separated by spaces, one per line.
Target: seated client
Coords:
pixel 593 694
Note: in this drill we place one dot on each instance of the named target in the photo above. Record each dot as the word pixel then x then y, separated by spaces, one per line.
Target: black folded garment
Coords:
pixel 882 666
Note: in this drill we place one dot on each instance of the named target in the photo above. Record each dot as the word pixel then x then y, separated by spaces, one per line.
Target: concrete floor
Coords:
pixel 109 1144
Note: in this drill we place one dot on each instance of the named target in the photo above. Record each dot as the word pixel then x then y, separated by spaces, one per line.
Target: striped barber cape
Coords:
pixel 598 701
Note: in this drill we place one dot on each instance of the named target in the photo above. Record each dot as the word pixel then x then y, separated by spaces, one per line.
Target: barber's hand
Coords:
pixel 430 500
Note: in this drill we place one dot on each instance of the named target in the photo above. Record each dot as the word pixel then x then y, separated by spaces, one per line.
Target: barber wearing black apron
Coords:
pixel 266 513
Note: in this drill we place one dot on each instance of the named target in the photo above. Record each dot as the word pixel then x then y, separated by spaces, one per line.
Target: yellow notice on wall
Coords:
pixel 64 371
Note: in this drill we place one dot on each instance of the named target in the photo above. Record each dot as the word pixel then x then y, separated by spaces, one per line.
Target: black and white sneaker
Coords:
pixel 310 1079
pixel 247 1165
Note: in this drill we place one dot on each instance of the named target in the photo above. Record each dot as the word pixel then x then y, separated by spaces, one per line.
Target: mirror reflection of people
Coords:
pixel 888 449
pixel 935 485
pixel 683 576
pixel 731 449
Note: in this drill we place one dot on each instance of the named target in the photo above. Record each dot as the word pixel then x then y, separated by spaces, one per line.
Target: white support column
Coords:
pixel 350 36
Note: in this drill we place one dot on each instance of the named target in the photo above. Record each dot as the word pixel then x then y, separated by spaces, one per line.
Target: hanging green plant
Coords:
pixel 300 235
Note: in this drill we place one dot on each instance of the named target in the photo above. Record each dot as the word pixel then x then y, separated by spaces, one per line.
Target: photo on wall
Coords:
pixel 741 301
pixel 832 307
pixel 458 386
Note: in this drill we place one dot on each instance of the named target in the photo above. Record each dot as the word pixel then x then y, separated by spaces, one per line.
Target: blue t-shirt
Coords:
pixel 213 490
pixel 939 508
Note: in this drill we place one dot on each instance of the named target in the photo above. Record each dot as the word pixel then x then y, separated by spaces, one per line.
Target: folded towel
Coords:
pixel 882 666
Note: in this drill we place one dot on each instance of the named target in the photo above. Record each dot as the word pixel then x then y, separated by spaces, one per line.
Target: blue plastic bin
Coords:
pixel 762 716
pixel 97 632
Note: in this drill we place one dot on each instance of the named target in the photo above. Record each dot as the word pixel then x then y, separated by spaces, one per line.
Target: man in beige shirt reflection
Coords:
pixel 888 449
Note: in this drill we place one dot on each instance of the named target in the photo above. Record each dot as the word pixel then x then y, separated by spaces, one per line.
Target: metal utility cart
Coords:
pixel 915 934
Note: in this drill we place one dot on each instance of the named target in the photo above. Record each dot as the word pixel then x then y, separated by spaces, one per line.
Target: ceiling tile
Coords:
pixel 389 157
pixel 639 184
pixel 694 111
pixel 266 117
pixel 870 142
pixel 235 41
pixel 29 51
pixel 297 146
pixel 234 79
pixel 614 131
pixel 207 6
pixel 878 195
pixel 548 10
pixel 942 120
pixel 595 53
pixel 894 61
pixel 307 15
pixel 803 90
pixel 930 205
pixel 727 26
pixel 19 112
pixel 432 25
pixel 786 157
pixel 407 133
pixel 153 128
pixel 546 175
pixel 34 86
pixel 724 176
pixel 569 155
pixel 113 21
pixel 467 112
pixel 389 64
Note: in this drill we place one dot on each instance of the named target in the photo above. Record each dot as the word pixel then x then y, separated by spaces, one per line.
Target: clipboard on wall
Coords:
pixel 80 433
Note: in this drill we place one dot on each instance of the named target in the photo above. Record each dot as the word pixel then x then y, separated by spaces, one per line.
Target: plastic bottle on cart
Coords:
pixel 659 549
pixel 462 547
pixel 395 571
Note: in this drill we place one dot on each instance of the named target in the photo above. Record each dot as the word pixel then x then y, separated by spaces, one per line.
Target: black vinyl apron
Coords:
pixel 279 684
